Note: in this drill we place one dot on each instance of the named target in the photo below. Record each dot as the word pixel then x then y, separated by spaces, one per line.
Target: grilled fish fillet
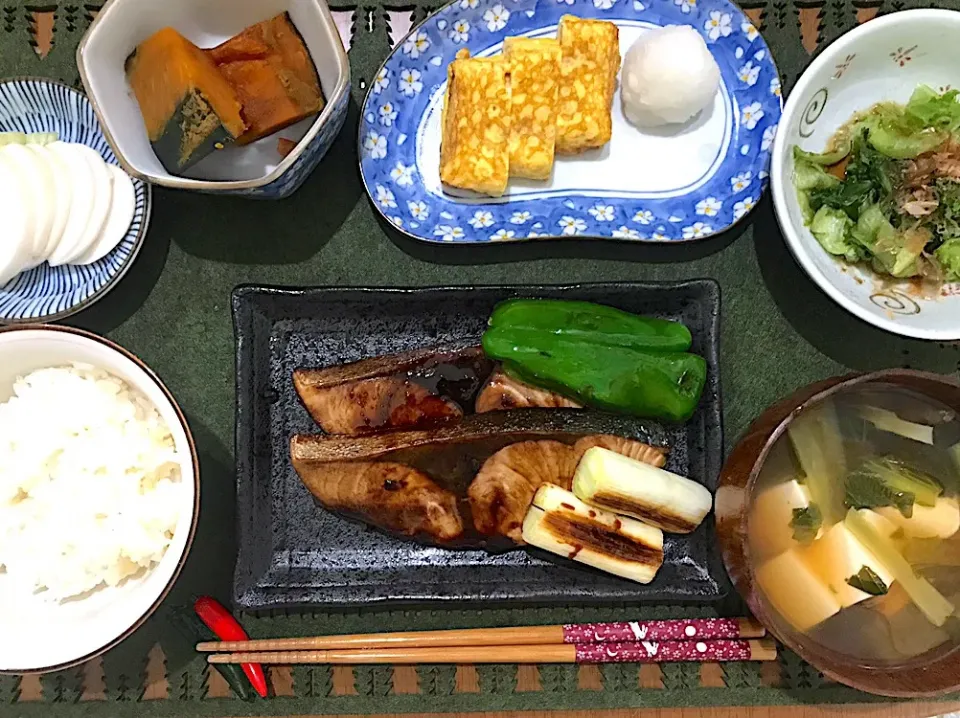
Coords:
pixel 392 391
pixel 392 496
pixel 503 392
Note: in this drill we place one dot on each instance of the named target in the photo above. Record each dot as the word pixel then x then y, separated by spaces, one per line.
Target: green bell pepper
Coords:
pixel 589 322
pixel 660 385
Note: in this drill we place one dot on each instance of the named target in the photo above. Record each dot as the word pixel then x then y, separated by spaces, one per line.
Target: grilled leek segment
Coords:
pixel 617 483
pixel 560 523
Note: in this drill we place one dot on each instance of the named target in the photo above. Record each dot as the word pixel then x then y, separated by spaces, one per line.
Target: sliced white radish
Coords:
pixel 102 198
pixel 80 175
pixel 118 220
pixel 35 176
pixel 16 240
pixel 60 198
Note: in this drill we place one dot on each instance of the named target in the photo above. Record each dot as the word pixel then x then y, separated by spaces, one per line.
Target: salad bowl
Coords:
pixel 886 59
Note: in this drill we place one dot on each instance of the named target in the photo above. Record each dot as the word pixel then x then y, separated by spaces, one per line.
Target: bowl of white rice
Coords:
pixel 99 495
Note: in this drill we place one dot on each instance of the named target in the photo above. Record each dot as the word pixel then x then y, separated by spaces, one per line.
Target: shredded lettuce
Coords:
pixel 809 175
pixel 832 229
pixel 868 180
pixel 825 159
pixel 869 199
pixel 931 109
pixel 948 255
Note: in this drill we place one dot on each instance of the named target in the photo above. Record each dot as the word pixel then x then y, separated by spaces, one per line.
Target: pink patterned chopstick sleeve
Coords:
pixel 663 651
pixel 694 629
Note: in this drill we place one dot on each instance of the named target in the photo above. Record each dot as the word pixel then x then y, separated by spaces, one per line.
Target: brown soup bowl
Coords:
pixel 934 673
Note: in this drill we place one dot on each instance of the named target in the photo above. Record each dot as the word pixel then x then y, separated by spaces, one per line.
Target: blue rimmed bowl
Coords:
pixel 45 293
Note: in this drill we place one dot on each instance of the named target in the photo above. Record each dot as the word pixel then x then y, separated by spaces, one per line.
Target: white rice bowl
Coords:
pixel 98 496
pixel 89 483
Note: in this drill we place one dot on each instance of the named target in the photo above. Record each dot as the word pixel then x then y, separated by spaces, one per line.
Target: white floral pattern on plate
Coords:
pixel 415 73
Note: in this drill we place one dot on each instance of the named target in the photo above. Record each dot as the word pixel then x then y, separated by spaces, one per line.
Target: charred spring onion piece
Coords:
pixel 560 523
pixel 930 601
pixel 617 483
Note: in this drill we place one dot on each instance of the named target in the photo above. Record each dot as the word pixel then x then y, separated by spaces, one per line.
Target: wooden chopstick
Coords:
pixel 632 652
pixel 678 629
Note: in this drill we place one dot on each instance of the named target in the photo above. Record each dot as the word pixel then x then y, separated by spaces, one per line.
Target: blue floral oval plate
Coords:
pixel 677 185
pixel 45 293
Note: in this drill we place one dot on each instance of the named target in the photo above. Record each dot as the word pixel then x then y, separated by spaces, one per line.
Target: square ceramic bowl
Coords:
pixel 255 170
pixel 38 635
pixel 884 59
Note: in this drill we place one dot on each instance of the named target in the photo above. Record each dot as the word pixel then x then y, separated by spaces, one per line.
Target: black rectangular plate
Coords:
pixel 292 553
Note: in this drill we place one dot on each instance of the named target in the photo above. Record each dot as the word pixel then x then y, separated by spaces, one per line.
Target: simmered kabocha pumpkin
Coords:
pixel 271 71
pixel 188 106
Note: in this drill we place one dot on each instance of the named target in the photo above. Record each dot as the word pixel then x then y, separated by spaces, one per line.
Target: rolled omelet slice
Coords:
pixel 534 66
pixel 474 151
pixel 560 523
pixel 590 62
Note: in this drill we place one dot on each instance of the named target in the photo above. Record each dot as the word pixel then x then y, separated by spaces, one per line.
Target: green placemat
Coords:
pixel 778 332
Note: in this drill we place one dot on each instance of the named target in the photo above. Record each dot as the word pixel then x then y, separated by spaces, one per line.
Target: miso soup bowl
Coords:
pixel 256 170
pixel 931 674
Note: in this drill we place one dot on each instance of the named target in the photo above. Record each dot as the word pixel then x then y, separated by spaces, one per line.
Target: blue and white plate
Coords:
pixel 658 186
pixel 46 293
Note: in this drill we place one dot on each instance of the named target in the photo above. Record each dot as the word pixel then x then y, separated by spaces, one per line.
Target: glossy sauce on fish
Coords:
pixel 426 387
pixel 490 478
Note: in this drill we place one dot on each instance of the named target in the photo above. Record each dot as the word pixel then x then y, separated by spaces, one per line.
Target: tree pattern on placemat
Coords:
pixel 620 676
pixel 9 688
pixel 39 37
pixel 312 681
pixel 437 679
pixel 742 675
pixel 67 686
pixel 497 677
pixel 558 677
pixel 680 676
pixel 373 680
pixel 792 672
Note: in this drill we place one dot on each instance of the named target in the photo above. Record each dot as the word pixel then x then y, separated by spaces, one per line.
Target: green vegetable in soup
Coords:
pixel 816 441
pixel 867 580
pixel 930 601
pixel 886 420
pixel 806 523
pixel 889 482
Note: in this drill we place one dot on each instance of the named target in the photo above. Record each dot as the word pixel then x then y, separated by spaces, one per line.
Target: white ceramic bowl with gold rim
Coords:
pixel 40 636
pixel 884 59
